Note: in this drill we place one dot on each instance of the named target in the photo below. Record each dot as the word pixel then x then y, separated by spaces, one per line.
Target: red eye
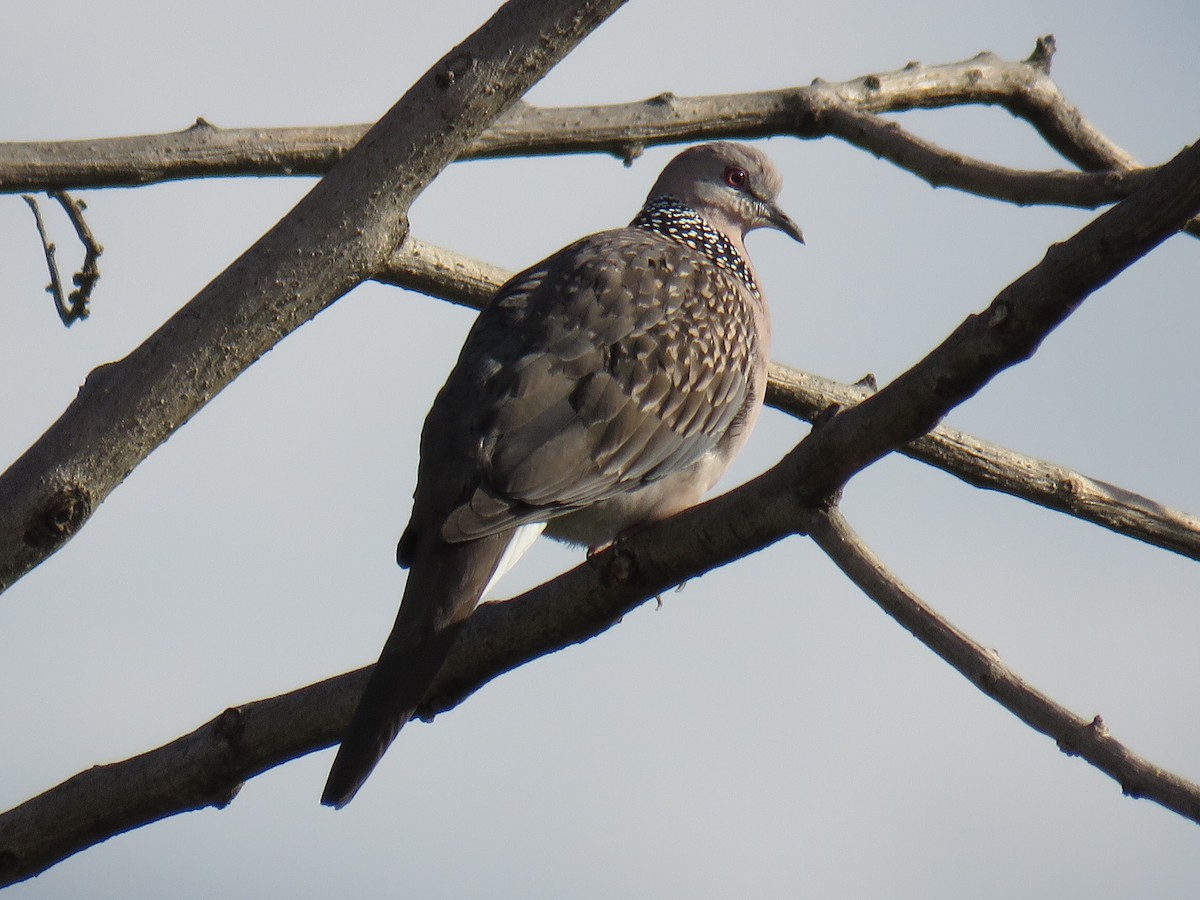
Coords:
pixel 736 177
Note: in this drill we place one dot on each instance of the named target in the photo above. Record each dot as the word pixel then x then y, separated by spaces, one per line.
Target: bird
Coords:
pixel 604 388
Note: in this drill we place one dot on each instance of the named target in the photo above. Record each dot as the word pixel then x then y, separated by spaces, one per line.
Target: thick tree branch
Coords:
pixel 1075 735
pixel 206 767
pixel 341 233
pixel 846 110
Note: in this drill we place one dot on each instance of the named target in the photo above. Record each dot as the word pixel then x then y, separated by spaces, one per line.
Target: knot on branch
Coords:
pixel 453 68
pixel 628 152
pixel 230 725
pixel 998 314
pixel 806 107
pixel 1076 742
pixel 67 509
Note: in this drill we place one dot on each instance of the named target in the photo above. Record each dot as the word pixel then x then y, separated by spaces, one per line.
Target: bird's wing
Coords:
pixel 621 360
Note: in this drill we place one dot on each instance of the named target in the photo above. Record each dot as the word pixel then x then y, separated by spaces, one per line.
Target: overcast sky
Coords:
pixel 767 732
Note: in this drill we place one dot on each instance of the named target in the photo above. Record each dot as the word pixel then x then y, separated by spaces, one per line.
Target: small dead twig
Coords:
pixel 75 306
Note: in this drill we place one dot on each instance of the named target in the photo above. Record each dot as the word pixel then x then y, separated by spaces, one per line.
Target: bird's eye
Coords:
pixel 736 177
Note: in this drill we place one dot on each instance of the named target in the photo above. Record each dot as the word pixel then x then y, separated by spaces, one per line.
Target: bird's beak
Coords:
pixel 778 219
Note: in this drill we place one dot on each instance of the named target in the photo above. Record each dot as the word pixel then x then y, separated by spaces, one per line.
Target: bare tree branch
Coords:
pixel 1060 123
pixel 1007 332
pixel 206 767
pixel 986 465
pixel 846 110
pixel 1075 735
pixel 339 234
pixel 54 288
pixel 202 150
pixel 940 167
pixel 441 273
pixel 89 273
pixel 74 307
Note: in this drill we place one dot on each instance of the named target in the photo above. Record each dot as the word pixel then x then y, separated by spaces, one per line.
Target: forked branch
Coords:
pixel 74 306
pixel 847 110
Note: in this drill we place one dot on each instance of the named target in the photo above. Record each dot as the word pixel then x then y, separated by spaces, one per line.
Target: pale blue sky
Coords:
pixel 767 732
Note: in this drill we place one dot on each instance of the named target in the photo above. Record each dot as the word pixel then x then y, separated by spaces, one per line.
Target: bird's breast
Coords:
pixel 600 523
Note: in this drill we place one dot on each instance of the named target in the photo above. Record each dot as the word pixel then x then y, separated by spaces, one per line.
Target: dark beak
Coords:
pixel 778 219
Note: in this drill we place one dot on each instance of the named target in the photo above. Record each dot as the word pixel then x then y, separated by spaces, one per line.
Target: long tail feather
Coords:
pixel 445 583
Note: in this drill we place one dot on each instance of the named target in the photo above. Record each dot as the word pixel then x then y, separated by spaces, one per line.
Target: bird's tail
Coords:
pixel 444 584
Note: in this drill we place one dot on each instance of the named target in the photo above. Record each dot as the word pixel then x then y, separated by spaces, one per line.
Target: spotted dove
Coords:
pixel 607 386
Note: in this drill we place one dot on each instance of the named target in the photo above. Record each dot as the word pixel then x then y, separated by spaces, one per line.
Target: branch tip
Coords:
pixel 630 151
pixel 1043 53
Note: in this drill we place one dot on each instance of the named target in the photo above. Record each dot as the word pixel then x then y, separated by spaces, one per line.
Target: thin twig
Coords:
pixel 89 273
pixel 1075 735
pixel 55 287
pixel 74 307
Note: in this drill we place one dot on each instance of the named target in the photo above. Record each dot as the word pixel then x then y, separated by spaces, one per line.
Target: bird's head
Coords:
pixel 732 186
